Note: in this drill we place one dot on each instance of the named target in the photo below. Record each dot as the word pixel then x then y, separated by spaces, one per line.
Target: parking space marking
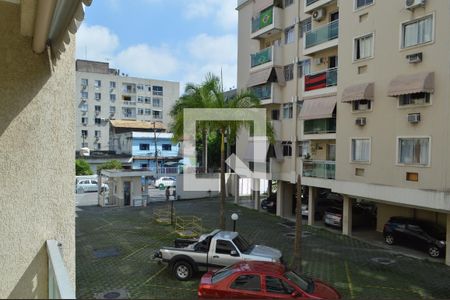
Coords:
pixel 154 275
pixel 415 291
pixel 172 288
pixel 134 252
pixel 349 281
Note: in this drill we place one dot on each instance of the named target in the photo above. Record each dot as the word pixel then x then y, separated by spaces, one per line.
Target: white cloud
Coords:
pixel 96 42
pixel 220 49
pixel 222 12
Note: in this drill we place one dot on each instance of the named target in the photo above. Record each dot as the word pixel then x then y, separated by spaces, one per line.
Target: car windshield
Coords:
pixel 303 282
pixel 243 245
pixel 221 274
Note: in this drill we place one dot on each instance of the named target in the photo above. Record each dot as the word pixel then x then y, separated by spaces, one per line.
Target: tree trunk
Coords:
pixel 222 181
pixel 205 150
pixel 297 262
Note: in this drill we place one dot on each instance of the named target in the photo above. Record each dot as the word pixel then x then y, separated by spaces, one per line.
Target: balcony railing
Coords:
pixel 309 2
pixel 321 80
pixel 263 92
pixel 261 57
pixel 265 18
pixel 322 34
pixel 59 283
pixel 320 126
pixel 129 103
pixel 319 169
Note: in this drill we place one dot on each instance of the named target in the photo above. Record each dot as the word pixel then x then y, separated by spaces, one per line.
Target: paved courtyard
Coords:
pixel 115 246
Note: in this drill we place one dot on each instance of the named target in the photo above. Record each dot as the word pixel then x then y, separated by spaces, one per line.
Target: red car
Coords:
pixel 262 280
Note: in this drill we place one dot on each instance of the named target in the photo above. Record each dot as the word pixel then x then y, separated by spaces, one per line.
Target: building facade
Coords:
pixel 359 105
pixel 104 94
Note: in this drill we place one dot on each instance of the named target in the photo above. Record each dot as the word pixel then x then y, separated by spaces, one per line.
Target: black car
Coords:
pixel 270 203
pixel 419 234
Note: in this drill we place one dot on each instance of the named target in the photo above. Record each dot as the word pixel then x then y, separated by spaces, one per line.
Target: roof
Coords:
pixel 137 124
pixel 151 135
pixel 260 267
pixel 226 235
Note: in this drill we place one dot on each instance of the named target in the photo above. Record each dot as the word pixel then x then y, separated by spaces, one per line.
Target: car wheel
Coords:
pixel 389 239
pixel 433 251
pixel 182 270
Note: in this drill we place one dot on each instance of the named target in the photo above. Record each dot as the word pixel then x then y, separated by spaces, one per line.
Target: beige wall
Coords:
pixel 36 160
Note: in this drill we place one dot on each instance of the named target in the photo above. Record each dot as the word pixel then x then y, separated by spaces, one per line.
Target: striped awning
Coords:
pixel 357 92
pixel 411 84
pixel 318 108
pixel 266 75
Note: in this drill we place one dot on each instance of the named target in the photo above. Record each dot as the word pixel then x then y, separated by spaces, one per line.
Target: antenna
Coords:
pixel 221 78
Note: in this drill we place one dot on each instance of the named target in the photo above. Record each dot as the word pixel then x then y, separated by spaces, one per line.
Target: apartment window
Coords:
pixel 360 150
pixel 99 146
pixel 303 68
pixel 84 107
pixel 84 82
pixel 304 27
pixel 413 151
pixel 148 88
pixel 143 166
pixel 148 112
pixel 167 147
pixel 144 147
pixel 84 145
pixel 157 90
pixel 98 121
pixel 140 87
pixel 289 35
pixel 140 99
pixel 98 108
pixel 148 100
pixel 140 111
pixel 84 95
pixel 363 47
pixel 98 96
pixel 97 83
pixel 288 111
pixel 112 97
pixel 287 148
pixel 126 98
pixel 417 32
pixel 157 102
pixel 84 120
pixel 84 133
pixel 98 133
pixel 362 105
pixel 157 114
pixel 112 84
pixel 289 72
pixel 275 114
pixel 362 3
pixel 288 2
pixel 414 99
pixel 112 109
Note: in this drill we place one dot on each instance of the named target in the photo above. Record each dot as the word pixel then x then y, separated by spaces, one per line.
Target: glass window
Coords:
pixel 222 274
pixel 84 133
pixel 414 99
pixel 84 120
pixel 98 108
pixel 144 147
pixel 304 68
pixel 112 109
pixel 140 111
pixel 289 35
pixel 84 95
pixel 84 107
pixel 287 148
pixel 278 286
pixel 157 114
pixel 305 283
pixel 148 88
pixel 288 2
pixel 275 114
pixel 112 84
pixel 140 99
pixel 98 121
pixel 364 47
pixel 224 247
pixel 360 150
pixel 289 72
pixel 167 147
pixel 148 111
pixel 140 87
pixel 361 105
pixel 413 151
pixel 157 90
pixel 98 96
pixel 247 282
pixel 98 133
pixel 84 82
pixel 148 100
pixel 98 83
pixel 288 110
pixel 417 32
pixel 112 97
pixel 361 3
pixel 304 27
pixel 157 102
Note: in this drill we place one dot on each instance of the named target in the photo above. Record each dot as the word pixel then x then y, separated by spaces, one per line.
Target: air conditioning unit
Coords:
pixel 414 118
pixel 318 14
pixel 414 58
pixel 411 4
pixel 360 121
pixel 319 60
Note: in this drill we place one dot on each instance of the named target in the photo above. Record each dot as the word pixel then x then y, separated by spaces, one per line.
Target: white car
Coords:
pixel 165 182
pixel 89 185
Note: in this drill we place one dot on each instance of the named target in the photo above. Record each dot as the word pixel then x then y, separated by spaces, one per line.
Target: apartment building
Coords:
pixel 359 105
pixel 104 94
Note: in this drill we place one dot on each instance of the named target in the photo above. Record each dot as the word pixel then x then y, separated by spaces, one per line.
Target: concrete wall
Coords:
pixel 36 160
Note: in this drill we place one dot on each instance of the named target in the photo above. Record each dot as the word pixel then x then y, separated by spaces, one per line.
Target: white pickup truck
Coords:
pixel 217 249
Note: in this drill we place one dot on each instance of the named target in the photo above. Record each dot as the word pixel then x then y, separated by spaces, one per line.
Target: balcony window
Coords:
pixel 261 57
pixel 361 105
pixel 148 112
pixel 363 47
pixel 84 95
pixel 84 120
pixel 144 147
pixel 167 147
pixel 98 121
pixel 140 99
pixel 128 88
pixel 84 107
pixel 148 100
pixel 263 92
pixel 157 114
pixel 84 82
pixel 413 151
pixel 98 83
pixel 319 169
pixel 157 90
pixel 157 102
pixel 320 126
pixel 140 87
pixel 98 108
pixel 275 114
pixel 140 111
pixel 148 88
pixel 322 34
pixel 321 80
pixel 289 35
pixel 112 84
pixel 304 27
pixel 360 150
pixel 289 72
pixel 303 68
pixel 362 3
pixel 287 148
pixel 414 99
pixel 265 18
pixel 287 111
pixel 98 133
pixel 112 97
pixel 98 96
pixel 417 32
pixel 84 134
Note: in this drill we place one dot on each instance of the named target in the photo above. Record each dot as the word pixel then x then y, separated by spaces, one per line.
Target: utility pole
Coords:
pixel 156 149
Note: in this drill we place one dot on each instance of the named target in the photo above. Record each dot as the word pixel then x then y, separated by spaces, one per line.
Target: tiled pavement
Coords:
pixel 357 269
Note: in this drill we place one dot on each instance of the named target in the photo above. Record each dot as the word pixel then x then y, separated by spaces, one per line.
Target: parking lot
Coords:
pixel 115 246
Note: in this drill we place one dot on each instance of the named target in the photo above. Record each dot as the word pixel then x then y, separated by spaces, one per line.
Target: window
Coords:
pixel 140 87
pixel 289 35
pixel 278 286
pixel 148 112
pixel 144 147
pixel 275 114
pixel 84 82
pixel 167 147
pixel 99 146
pixel 84 145
pixel 414 99
pixel 98 121
pixel 289 72
pixel 112 97
pixel 304 27
pixel 112 109
pixel 417 32
pixel 148 100
pixel 98 133
pixel 140 99
pixel 157 114
pixel 143 166
pixel 303 68
pixel 157 102
pixel 287 148
pixel 287 111
pixel 97 83
pixel 112 84
pixel 84 95
pixel 84 107
pixel 362 3
pixel 413 151
pixel 84 133
pixel 98 108
pixel 363 47
pixel 288 2
pixel 148 88
pixel 84 120
pixel 361 150
pixel 140 111
pixel 247 283
pixel 362 105
pixel 98 96
pixel 224 247
pixel 157 90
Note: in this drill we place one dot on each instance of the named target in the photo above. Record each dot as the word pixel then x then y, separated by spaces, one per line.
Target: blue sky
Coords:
pixel 179 40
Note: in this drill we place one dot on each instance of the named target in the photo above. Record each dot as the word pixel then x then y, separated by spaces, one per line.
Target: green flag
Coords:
pixel 265 18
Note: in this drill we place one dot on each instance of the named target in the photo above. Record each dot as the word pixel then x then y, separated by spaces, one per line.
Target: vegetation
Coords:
pixel 82 167
pixel 110 165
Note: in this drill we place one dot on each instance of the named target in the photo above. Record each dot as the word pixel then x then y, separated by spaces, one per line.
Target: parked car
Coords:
pixel 322 204
pixel 270 203
pixel 163 182
pixel 214 250
pixel 419 234
pixel 89 185
pixel 363 215
pixel 262 280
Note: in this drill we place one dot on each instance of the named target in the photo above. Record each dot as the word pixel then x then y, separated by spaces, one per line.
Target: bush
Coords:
pixel 110 165
pixel 82 167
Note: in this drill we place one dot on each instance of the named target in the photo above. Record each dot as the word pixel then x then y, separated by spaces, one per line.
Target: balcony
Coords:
pixel 319 169
pixel 59 283
pixel 129 103
pixel 268 93
pixel 265 58
pixel 311 5
pixel 321 38
pixel 320 80
pixel 267 23
pixel 320 126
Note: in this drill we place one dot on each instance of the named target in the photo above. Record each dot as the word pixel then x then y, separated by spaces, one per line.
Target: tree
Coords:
pixel 110 165
pixel 297 259
pixel 82 167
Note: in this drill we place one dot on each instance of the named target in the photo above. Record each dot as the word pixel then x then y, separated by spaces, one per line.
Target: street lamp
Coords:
pixel 234 217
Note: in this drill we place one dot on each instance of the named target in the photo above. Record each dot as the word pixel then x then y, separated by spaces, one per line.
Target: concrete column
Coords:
pixel 447 250
pixel 347 216
pixel 257 194
pixel 236 188
pixel 280 196
pixel 311 205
